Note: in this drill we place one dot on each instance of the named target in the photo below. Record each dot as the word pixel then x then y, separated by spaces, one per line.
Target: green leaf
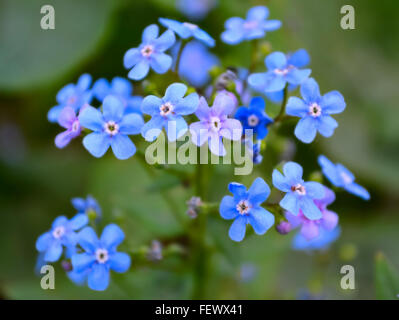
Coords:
pixel 386 279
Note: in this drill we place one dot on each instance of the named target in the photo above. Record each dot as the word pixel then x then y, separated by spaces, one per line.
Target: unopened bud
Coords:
pixel 283 227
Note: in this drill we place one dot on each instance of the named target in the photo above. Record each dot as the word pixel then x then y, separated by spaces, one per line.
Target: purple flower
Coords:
pixel 187 30
pixel 245 208
pixel 74 96
pixel 253 27
pixel 195 9
pixel 321 242
pixel 62 234
pixel 68 120
pixel 280 73
pixel 120 88
pixel 299 194
pixel 150 53
pixel 100 257
pixel 310 229
pixel 315 111
pixel 214 124
pixel 88 206
pixel 341 177
pixel 168 112
pixel 111 128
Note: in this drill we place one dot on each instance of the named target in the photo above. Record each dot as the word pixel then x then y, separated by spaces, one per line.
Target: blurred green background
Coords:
pixel 38 180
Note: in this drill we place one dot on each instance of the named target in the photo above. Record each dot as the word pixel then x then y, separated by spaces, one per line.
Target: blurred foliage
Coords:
pixel 38 181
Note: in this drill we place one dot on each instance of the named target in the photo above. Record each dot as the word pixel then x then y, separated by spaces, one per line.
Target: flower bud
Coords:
pixel 283 227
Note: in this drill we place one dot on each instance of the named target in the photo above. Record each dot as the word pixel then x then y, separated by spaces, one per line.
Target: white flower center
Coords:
pixel 111 128
pixel 147 50
pixel 215 123
pixel 315 110
pixel 253 120
pixel 102 255
pixel 189 25
pixel 347 179
pixel 243 207
pixel 166 109
pixel 58 232
pixel 300 189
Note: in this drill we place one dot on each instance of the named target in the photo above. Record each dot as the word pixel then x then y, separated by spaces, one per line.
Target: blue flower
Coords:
pixel 254 150
pixel 341 177
pixel 74 96
pixel 245 209
pixel 62 234
pixel 67 119
pixel 87 206
pixel 315 111
pixel 187 30
pixel 299 194
pixel 150 53
pixel 195 9
pixel 100 256
pixel 321 242
pixel 280 73
pixel 195 63
pixel 298 59
pixel 111 128
pixel 120 88
pixel 254 117
pixel 253 27
pixel 168 112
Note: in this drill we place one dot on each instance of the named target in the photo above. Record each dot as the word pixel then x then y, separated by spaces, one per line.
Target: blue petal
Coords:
pixel 43 241
pixel 91 118
pixel 296 107
pixel 54 113
pixel 315 190
pixel 175 92
pixel 290 203
pixel 257 103
pixel 306 129
pixel 357 190
pixel 140 70
pixel 131 124
pixel 79 204
pixel 84 82
pixel 82 261
pixel 327 126
pixel 121 87
pixel 78 221
pixel 101 88
pixel 329 170
pixel 276 60
pixel 98 278
pixel 53 252
pixel 299 58
pixel 122 147
pixel 344 172
pixel 150 33
pixel 271 82
pixel 228 208
pixel 232 36
pixel 280 182
pixel 132 57
pixel 88 239
pixel 59 221
pixel 271 25
pixel 65 93
pixel 234 23
pixel 176 128
pixel 113 108
pixel 151 105
pixel 238 190
pixel 160 62
pixel 324 239
pixel 112 236
pixel 165 41
pixel 297 76
pixel 310 91
pixel 151 130
pixel 176 26
pixel 78 278
pixel 333 102
pixel 203 36
pixel 261 220
pixel 187 105
pixel 293 172
pixel 119 262
pixel 97 143
pixel 275 97
pixel 309 208
pixel 237 229
pixel 258 192
pixel 258 13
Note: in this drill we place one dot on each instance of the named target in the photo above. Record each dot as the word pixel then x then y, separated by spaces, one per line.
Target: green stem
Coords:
pixel 179 53
pixel 280 116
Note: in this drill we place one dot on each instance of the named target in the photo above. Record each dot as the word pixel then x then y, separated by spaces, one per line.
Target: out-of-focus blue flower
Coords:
pixel 62 234
pixel 150 53
pixel 72 95
pixel 195 9
pixel 120 88
pixel 214 124
pixel 254 117
pixel 87 206
pixel 254 149
pixel 168 112
pixel 280 73
pixel 315 111
pixel 68 120
pixel 187 30
pixel 310 229
pixel 341 177
pixel 245 208
pixel 298 59
pixel 110 128
pixel 299 195
pixel 321 242
pixel 195 63
pixel 253 27
pixel 100 257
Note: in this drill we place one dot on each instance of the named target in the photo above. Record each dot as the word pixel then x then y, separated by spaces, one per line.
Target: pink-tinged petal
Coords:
pixel 203 109
pixel 216 145
pixel 199 133
pixel 67 117
pixel 330 219
pixel 223 104
pixel 310 230
pixel 295 221
pixel 62 139
pixel 231 129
